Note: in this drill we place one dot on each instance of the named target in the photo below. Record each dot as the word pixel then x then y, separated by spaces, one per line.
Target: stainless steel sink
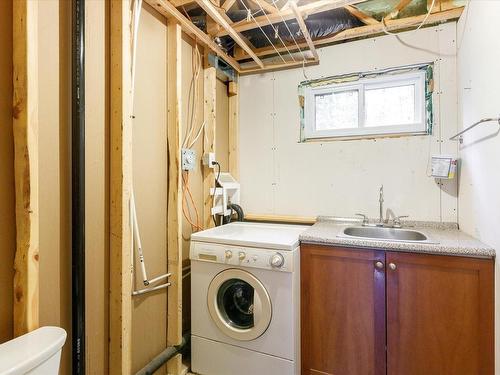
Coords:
pixel 386 234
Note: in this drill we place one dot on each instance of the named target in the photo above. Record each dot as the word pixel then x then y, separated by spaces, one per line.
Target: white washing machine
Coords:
pixel 245 306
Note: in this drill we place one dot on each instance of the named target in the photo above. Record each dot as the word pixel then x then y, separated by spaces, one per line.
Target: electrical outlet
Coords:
pixel 188 159
pixel 209 159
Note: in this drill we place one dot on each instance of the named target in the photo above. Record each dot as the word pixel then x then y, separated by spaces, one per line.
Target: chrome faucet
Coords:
pixel 381 206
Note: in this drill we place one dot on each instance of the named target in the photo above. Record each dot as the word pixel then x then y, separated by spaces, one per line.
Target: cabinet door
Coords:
pixel 439 315
pixel 342 311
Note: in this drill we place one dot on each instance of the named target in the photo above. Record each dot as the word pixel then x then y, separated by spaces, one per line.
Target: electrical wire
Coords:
pixel 187 215
pixel 398 37
pixel 189 142
pixel 215 189
pixel 384 26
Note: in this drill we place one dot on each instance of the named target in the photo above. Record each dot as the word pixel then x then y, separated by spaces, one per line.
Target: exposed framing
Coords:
pixel 363 31
pixel 120 300
pixel 443 11
pixel 210 95
pixel 25 131
pixel 303 29
pixel 165 8
pixel 288 14
pixel 208 7
pixel 234 130
pixel 174 205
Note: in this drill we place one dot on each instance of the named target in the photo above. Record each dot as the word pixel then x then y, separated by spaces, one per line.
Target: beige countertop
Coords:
pixel 444 238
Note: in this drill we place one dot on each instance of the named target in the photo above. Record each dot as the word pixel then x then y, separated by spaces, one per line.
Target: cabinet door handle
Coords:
pixel 392 266
pixel 379 265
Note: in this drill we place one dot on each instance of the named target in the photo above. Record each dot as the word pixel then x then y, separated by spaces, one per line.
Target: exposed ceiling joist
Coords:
pixel 208 7
pixel 266 6
pixel 363 17
pixel 228 4
pixel 398 8
pixel 303 29
pixel 305 10
pixel 168 10
pixel 179 3
pixel 363 31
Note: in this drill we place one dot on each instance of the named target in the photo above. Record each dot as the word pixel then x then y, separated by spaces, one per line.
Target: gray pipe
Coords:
pixel 164 357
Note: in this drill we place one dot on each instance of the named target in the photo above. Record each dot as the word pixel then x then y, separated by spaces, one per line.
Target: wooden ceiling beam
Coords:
pixel 167 9
pixel 208 7
pixel 362 31
pixel 363 17
pixel 303 29
pixel 228 4
pixel 179 3
pixel 398 8
pixel 305 10
pixel 265 6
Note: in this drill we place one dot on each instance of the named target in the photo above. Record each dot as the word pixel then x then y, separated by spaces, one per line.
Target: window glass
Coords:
pixel 337 110
pixel 397 101
pixel 388 106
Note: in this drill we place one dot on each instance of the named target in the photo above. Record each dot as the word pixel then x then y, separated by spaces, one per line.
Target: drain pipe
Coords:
pixel 78 186
pixel 164 356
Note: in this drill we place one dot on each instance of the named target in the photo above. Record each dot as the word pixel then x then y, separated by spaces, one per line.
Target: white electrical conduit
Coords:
pixel 135 235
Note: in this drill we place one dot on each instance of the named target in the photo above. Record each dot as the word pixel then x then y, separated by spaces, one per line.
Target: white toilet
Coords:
pixel 36 353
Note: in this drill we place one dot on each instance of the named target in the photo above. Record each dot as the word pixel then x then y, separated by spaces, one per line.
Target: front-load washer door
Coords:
pixel 239 304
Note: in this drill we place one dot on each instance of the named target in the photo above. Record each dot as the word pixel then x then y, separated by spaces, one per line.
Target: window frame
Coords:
pixel 417 78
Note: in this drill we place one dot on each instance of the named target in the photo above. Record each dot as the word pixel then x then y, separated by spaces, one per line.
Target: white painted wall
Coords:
pixel 281 176
pixel 479 96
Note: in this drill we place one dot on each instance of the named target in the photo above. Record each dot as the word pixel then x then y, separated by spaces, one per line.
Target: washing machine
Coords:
pixel 245 300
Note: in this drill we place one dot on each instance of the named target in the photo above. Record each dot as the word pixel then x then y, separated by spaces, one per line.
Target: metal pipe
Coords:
pixel 164 356
pixel 492 119
pixel 78 186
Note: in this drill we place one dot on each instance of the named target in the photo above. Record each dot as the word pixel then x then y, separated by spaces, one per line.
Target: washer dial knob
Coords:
pixel 242 255
pixel 277 260
pixel 228 254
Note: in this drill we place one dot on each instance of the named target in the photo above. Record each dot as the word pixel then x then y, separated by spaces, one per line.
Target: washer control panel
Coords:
pixel 276 260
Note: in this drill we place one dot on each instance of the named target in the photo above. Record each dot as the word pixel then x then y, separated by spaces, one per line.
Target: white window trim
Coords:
pixel 420 127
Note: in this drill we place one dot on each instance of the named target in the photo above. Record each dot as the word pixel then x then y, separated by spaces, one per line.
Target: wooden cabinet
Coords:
pixel 439 315
pixel 374 312
pixel 343 311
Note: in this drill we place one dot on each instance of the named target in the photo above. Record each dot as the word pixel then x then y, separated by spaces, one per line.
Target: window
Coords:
pixel 382 104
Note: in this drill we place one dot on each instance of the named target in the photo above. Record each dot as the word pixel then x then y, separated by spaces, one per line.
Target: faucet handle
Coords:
pixel 365 218
pixel 397 220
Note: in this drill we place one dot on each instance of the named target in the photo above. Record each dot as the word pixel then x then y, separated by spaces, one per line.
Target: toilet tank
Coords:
pixel 36 353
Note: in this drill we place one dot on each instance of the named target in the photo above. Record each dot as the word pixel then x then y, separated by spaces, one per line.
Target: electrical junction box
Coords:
pixel 209 159
pixel 188 159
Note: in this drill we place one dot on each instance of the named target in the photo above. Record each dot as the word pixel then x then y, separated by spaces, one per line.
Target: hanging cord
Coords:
pixel 276 33
pixel 289 31
pixel 263 32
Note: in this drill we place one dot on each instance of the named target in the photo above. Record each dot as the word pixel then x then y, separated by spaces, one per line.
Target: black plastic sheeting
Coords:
pixel 319 25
